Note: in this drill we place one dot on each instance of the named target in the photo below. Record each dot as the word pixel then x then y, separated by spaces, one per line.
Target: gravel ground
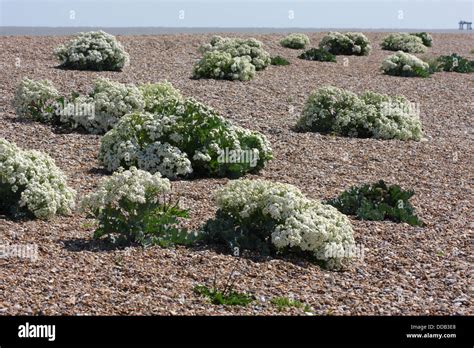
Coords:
pixel 405 270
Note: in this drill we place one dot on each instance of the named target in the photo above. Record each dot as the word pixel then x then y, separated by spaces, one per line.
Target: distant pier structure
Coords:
pixel 468 25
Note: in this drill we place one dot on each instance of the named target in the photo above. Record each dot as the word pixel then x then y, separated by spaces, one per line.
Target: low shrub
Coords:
pixel 318 54
pixel 31 184
pixel 346 44
pixel 278 60
pixel 221 65
pixel 96 112
pixel 377 202
pixel 231 58
pixel 334 110
pixel 94 50
pixel 404 42
pixel 133 206
pixel 426 38
pixel 276 218
pixel 295 41
pixel 406 65
pixel 110 100
pixel 35 99
pixel 456 63
pixel 184 136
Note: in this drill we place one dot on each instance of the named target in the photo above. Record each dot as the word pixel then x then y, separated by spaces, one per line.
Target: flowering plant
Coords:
pixel 31 183
pixel 404 42
pixel 330 109
pixel 426 38
pixel 35 99
pixel 231 58
pixel 96 112
pixel 182 137
pixel 131 206
pixel 110 100
pixel 295 40
pixel 94 50
pixel 221 65
pixel 405 64
pixel 275 217
pixel 347 43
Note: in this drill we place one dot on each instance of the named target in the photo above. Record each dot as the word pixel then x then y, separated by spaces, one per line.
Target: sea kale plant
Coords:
pixel 295 41
pixel 318 54
pixel 404 42
pixel 109 101
pixel 346 44
pixel 180 137
pixel 405 65
pixel 96 112
pixel 426 38
pixel 31 184
pixel 279 60
pixel 94 50
pixel 134 206
pixel 231 59
pixel 456 63
pixel 36 100
pixel 335 110
pixel 277 218
pixel 377 202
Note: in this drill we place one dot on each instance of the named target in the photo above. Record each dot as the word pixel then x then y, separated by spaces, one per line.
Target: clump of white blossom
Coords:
pixel 183 137
pixel 335 110
pixel 261 212
pixel 231 58
pixel 96 112
pixel 425 37
pixel 154 94
pixel 405 64
pixel 30 181
pixel 134 206
pixel 131 186
pixel 295 40
pixel 403 42
pixel 94 50
pixel 35 99
pixel 350 43
pixel 111 101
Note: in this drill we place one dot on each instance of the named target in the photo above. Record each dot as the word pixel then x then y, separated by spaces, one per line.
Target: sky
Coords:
pixel 368 14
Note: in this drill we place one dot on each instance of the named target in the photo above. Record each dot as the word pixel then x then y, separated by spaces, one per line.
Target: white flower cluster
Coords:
pixel 350 43
pixel 133 186
pixel 94 50
pixel 33 178
pixel 182 137
pixel 155 94
pixel 96 112
pixel 111 101
pixel 300 223
pixel 331 109
pixel 231 58
pixel 403 42
pixel 35 99
pixel 405 64
pixel 295 41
